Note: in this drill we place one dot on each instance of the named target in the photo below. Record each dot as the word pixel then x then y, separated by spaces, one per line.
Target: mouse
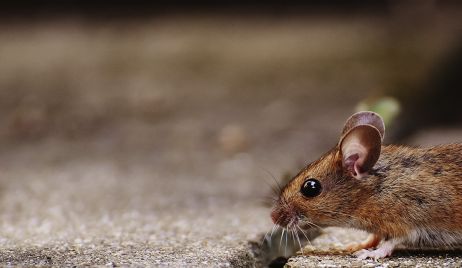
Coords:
pixel 400 195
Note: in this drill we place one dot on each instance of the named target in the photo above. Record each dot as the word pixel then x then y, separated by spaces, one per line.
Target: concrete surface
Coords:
pixel 131 197
pixel 133 144
pixel 84 203
pixel 149 145
pixel 98 210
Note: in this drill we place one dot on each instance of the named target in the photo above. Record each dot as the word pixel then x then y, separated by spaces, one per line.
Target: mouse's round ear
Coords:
pixel 365 118
pixel 361 142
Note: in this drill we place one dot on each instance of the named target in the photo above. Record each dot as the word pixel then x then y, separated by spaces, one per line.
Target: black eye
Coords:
pixel 311 188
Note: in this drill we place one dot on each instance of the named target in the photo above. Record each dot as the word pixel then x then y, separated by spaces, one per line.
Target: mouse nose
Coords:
pixel 275 216
pixel 283 217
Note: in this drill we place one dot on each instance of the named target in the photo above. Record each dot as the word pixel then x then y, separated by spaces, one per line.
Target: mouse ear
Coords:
pixel 365 118
pixel 361 143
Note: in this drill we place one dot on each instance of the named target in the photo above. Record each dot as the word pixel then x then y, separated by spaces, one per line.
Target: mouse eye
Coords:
pixel 311 188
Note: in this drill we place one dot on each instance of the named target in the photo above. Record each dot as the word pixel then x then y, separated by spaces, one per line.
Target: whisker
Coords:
pixel 274 179
pixel 264 238
pixel 293 236
pixel 282 234
pixel 285 250
pixel 298 239
pixel 311 223
pixel 304 234
pixel 267 201
pixel 273 188
pixel 275 227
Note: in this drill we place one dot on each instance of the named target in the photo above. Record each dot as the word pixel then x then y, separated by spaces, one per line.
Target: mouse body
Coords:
pixel 398 194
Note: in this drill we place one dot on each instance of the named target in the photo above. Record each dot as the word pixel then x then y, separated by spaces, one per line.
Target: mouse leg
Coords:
pixel 384 250
pixel 372 241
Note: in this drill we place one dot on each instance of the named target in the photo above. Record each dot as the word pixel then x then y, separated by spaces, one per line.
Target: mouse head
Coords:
pixel 326 190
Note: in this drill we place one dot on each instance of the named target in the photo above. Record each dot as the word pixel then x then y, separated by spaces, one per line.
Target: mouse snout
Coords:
pixel 275 215
pixel 284 216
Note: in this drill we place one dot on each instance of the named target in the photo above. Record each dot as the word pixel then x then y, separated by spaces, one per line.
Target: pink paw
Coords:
pixel 373 254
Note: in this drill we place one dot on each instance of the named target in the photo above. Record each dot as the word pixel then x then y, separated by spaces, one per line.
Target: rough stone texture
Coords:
pixel 98 210
pixel 147 144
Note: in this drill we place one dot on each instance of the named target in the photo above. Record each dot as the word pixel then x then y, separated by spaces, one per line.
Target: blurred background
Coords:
pixel 136 121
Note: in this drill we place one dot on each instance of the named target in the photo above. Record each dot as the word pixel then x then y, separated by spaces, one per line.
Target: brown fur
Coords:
pixel 407 189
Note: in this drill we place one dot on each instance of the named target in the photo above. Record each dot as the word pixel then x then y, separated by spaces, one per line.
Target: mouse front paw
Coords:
pixel 385 250
pixel 372 254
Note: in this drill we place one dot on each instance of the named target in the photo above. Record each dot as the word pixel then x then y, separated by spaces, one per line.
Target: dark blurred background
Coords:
pixel 70 69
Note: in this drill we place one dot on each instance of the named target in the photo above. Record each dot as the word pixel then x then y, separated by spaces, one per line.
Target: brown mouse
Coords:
pixel 399 194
